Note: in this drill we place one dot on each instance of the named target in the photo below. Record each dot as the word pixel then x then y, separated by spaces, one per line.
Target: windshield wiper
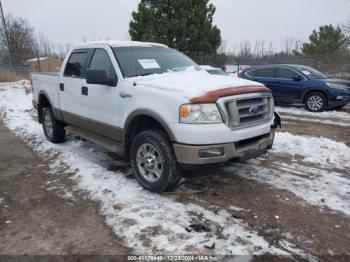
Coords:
pixel 145 74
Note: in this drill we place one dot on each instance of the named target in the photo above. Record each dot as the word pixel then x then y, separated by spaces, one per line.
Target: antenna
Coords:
pixel 6 33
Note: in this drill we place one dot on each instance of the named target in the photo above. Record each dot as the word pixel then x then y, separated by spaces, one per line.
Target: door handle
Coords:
pixel 84 90
pixel 61 87
pixel 125 95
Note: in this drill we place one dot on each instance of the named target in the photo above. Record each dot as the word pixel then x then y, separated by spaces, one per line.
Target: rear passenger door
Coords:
pixel 265 76
pixel 72 103
pixel 290 83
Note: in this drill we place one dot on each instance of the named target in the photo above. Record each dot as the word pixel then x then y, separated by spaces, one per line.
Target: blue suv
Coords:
pixel 298 84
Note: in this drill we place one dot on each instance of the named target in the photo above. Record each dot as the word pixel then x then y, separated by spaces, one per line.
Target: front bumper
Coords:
pixel 334 102
pixel 240 151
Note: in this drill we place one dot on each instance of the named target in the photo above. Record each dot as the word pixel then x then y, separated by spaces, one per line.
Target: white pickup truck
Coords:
pixel 156 106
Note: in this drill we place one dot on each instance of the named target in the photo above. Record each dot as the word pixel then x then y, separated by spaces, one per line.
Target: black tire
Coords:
pixel 58 133
pixel 169 174
pixel 316 102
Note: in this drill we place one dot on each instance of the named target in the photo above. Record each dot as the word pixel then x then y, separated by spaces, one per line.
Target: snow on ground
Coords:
pixel 321 177
pixel 150 222
pixel 146 222
pixel 335 115
pixel 321 151
pixel 318 121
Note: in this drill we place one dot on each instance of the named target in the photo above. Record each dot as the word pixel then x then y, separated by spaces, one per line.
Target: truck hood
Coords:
pixel 199 86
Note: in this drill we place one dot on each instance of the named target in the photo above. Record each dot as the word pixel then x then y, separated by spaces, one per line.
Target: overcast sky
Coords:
pixel 69 21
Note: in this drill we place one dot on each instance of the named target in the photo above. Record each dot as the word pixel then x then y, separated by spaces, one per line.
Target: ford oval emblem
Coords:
pixel 256 109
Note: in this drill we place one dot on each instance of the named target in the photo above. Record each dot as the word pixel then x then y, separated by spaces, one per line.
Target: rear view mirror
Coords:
pixel 99 77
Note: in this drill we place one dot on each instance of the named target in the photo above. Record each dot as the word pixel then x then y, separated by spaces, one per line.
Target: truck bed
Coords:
pixel 46 83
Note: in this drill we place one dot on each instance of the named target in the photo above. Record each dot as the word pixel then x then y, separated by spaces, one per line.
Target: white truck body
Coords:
pixel 107 112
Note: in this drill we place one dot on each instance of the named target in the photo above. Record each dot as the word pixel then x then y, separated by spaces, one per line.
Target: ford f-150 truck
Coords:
pixel 156 106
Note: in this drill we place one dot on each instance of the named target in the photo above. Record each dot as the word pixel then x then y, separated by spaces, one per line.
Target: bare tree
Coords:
pixel 245 50
pixel 45 46
pixel 62 50
pixel 21 38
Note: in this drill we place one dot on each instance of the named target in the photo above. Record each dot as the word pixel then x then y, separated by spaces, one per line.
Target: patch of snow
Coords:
pixel 36 59
pixel 320 180
pixel 303 112
pixel 190 82
pixel 313 120
pixel 291 248
pixel 322 151
pixel 145 221
pixel 61 192
pixel 1 200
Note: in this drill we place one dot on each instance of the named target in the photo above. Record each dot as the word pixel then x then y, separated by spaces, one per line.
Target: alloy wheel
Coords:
pixel 149 162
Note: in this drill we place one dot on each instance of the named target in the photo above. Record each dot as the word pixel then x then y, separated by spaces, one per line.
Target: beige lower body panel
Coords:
pixel 188 154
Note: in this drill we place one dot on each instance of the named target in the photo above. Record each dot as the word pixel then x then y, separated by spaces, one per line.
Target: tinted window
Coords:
pixel 311 73
pixel 101 61
pixel 286 73
pixel 75 64
pixel 261 72
pixel 138 61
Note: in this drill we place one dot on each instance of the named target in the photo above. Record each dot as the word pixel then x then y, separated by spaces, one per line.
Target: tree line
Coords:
pixel 186 25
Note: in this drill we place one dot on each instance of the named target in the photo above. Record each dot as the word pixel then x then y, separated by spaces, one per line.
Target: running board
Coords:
pixel 109 144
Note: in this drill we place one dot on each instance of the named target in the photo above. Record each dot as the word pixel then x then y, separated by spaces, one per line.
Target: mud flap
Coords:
pixel 277 121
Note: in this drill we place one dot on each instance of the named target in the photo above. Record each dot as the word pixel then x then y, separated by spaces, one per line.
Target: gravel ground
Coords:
pixel 294 201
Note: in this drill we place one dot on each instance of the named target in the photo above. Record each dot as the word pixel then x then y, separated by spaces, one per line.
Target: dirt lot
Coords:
pixel 77 199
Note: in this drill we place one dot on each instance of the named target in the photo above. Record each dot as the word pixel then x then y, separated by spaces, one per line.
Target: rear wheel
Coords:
pixel 53 129
pixel 316 102
pixel 153 161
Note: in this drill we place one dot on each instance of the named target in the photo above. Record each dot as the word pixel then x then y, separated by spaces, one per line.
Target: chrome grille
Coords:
pixel 246 110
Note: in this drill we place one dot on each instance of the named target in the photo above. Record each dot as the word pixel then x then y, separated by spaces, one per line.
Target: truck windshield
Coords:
pixel 141 61
pixel 311 73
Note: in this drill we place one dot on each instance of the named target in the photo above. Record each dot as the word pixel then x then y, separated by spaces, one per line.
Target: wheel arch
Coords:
pixel 141 120
pixel 44 100
pixel 312 90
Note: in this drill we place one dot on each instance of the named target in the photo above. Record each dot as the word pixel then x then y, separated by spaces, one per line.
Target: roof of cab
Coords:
pixel 118 44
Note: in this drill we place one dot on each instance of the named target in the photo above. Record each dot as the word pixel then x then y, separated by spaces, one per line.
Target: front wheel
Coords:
pixel 53 129
pixel 316 102
pixel 153 161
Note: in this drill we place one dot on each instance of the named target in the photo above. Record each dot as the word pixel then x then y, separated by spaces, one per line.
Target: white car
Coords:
pixel 213 70
pixel 156 106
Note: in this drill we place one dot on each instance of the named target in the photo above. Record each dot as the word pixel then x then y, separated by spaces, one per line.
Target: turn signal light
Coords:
pixel 184 111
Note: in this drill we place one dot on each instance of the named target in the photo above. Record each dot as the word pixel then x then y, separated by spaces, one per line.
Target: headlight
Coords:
pixel 200 114
pixel 337 86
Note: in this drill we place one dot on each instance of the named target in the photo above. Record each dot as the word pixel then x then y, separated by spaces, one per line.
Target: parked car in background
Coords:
pixel 299 84
pixel 156 106
pixel 213 70
pixel 234 70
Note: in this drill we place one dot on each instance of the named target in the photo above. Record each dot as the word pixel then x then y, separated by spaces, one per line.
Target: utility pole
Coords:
pixel 6 33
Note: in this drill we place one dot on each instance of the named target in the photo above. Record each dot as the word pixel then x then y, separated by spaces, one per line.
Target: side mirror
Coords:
pixel 99 77
pixel 297 78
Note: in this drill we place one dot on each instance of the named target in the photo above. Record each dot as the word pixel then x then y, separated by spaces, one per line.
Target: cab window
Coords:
pixel 262 72
pixel 101 61
pixel 75 64
pixel 286 73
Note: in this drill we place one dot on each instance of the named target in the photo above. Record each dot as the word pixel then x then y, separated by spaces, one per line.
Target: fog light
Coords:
pixel 211 152
pixel 342 97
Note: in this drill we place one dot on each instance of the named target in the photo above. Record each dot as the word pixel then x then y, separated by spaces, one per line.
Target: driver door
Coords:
pixel 103 105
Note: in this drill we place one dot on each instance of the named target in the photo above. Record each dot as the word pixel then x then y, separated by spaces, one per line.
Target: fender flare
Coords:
pixel 57 114
pixel 149 113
